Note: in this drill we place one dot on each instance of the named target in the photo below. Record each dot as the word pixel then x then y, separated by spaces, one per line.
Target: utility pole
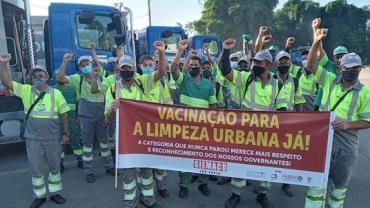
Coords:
pixel 150 14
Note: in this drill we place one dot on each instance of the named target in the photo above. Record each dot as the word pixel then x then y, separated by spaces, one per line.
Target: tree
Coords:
pixel 232 18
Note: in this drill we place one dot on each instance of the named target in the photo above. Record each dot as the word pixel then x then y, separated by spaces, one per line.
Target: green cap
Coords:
pixel 247 37
pixel 340 50
pixel 273 48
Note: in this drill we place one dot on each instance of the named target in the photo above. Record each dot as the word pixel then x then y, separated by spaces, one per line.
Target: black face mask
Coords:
pixel 283 69
pixel 350 75
pixel 127 74
pixel 207 74
pixel 308 73
pixel 258 70
pixel 194 71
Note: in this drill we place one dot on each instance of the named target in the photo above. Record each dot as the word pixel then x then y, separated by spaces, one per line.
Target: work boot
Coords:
pixel 163 193
pixel 263 200
pixel 222 180
pixel 36 203
pixel 80 164
pixel 61 166
pixel 203 188
pixel 90 178
pixel 58 199
pixel 287 190
pixel 155 205
pixel 183 193
pixel 233 201
pixel 110 171
pixel 194 178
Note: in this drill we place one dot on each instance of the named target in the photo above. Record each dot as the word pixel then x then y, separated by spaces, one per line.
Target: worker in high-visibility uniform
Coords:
pixel 292 90
pixel 70 96
pixel 260 92
pixel 90 111
pixel 136 88
pixel 43 104
pixel 350 100
pixel 194 92
pixel 158 93
pixel 307 85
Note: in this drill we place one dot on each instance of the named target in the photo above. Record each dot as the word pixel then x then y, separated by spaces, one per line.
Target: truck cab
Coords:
pixel 169 35
pixel 198 42
pixel 71 28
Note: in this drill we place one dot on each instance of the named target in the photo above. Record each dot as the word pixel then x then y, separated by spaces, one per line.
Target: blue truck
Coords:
pixel 103 25
pixel 198 42
pixel 146 37
pixel 171 36
pixel 68 28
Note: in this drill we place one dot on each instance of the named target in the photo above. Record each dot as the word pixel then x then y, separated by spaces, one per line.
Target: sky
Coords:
pixel 164 12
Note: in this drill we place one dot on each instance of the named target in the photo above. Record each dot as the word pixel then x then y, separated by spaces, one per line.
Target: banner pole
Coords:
pixel 117 146
pixel 324 201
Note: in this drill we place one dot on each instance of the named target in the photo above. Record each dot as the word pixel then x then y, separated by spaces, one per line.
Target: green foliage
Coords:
pixel 348 25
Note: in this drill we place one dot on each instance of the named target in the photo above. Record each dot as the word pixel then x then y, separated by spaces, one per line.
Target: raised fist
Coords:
pixel 229 44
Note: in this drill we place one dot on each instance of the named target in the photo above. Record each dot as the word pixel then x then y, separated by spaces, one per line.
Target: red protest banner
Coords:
pixel 272 146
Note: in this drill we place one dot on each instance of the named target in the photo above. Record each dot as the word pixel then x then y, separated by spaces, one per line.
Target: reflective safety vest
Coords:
pixel 259 96
pixel 306 83
pixel 355 104
pixel 291 92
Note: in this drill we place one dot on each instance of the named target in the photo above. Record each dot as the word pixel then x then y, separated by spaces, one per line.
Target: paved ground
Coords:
pixel 15 186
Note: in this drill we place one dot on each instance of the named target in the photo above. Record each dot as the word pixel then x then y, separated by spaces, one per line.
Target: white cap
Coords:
pixel 237 55
pixel 38 68
pixel 244 59
pixel 83 58
pixel 282 54
pixel 263 56
pixel 126 61
pixel 111 59
pixel 350 60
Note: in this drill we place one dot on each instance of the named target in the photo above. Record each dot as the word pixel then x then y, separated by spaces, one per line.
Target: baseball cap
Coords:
pixel 263 56
pixel 38 68
pixel 340 50
pixel 83 58
pixel 244 59
pixel 111 59
pixel 282 54
pixel 273 48
pixel 126 61
pixel 237 55
pixel 351 60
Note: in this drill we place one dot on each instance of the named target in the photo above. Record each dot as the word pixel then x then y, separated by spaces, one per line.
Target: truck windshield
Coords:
pixel 172 42
pixel 101 31
pixel 213 47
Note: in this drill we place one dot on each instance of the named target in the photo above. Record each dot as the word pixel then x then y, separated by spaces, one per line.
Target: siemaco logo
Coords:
pixel 210 165
pixel 292 178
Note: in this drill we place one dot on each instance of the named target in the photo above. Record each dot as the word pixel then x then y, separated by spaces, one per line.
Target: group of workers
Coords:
pixel 82 106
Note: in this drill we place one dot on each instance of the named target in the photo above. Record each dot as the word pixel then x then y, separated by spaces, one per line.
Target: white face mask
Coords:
pixel 234 64
pixel 304 63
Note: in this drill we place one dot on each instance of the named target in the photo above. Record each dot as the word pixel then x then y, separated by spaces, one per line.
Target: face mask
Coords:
pixel 194 71
pixel 111 67
pixel 39 81
pixel 87 69
pixel 258 70
pixel 308 73
pixel 350 75
pixel 207 74
pixel 304 63
pixel 148 70
pixel 127 74
pixel 283 69
pixel 234 64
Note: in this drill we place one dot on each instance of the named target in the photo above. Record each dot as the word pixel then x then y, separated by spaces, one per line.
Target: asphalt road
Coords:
pixel 15 186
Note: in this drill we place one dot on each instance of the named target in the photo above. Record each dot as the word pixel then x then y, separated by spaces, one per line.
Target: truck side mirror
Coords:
pixel 119 38
pixel 86 17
